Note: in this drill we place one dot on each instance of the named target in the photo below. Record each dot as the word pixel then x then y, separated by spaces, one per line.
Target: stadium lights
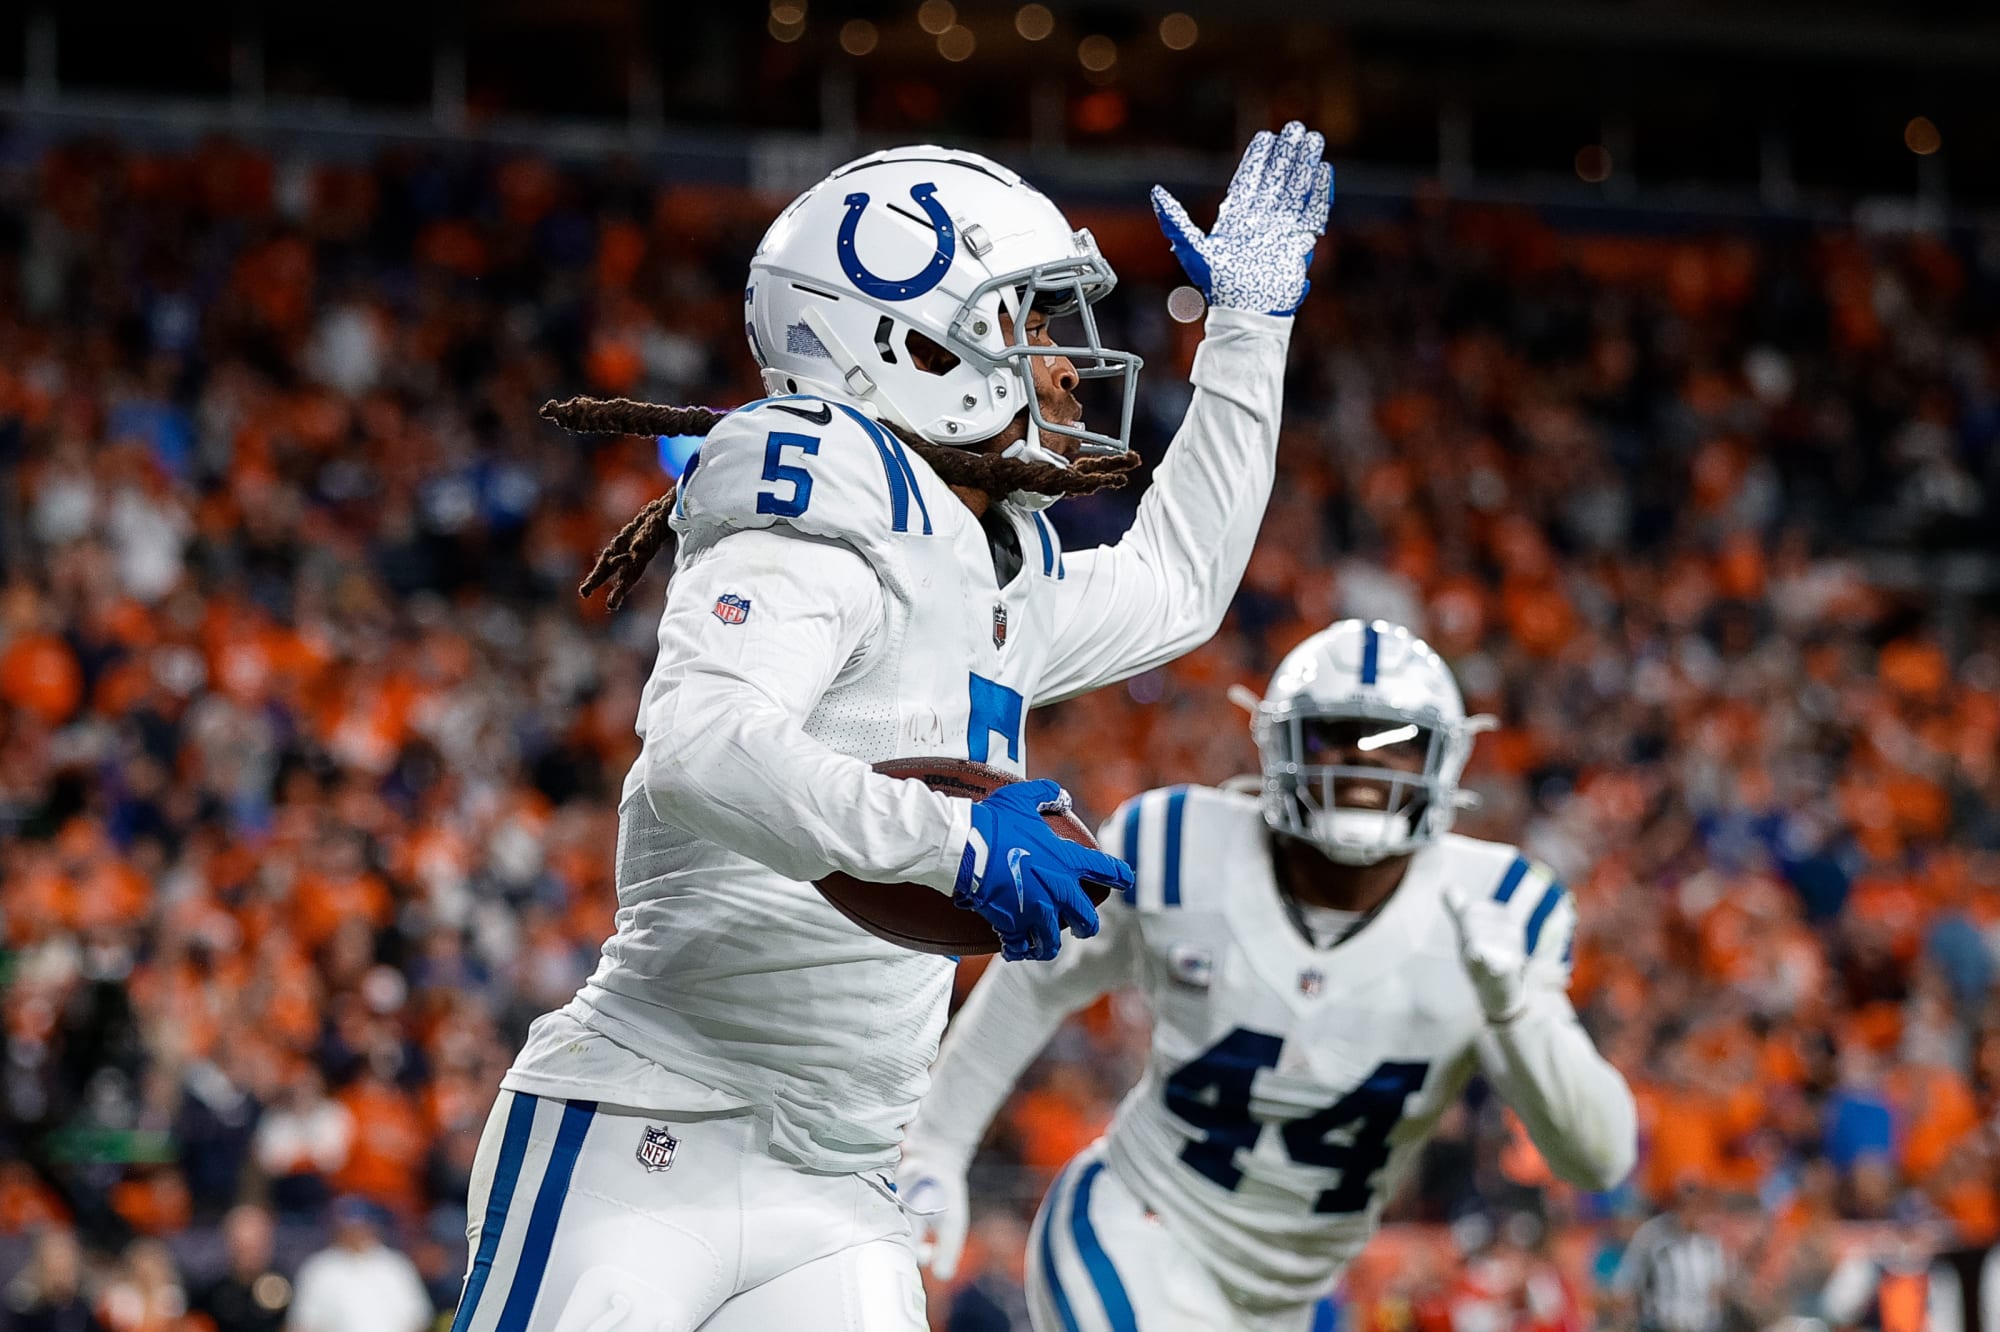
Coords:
pixel 1097 53
pixel 788 32
pixel 858 37
pixel 936 16
pixel 1185 305
pixel 1921 137
pixel 1593 163
pixel 956 43
pixel 1034 22
pixel 1178 32
pixel 789 13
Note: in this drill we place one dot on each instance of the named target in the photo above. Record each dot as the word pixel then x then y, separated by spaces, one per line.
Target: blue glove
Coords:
pixel 1257 255
pixel 1026 881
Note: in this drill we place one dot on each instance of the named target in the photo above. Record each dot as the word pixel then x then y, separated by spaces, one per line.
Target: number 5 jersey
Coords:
pixel 1289 1087
pixel 834 604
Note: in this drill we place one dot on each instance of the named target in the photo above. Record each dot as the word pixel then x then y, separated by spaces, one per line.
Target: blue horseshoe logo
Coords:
pixel 926 277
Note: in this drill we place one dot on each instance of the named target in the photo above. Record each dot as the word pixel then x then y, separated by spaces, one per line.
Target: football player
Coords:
pixel 701 1138
pixel 1326 966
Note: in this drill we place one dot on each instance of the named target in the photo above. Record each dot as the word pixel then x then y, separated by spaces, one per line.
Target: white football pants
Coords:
pixel 1099 1261
pixel 588 1218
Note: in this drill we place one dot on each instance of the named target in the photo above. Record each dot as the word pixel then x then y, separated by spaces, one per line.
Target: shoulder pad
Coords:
pixel 1049 544
pixel 817 466
pixel 1158 832
pixel 1532 894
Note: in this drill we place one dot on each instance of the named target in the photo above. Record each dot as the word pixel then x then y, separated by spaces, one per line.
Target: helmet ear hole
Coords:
pixel 927 356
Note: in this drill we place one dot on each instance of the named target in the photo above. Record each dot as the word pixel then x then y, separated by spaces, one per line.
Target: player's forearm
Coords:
pixel 727 765
pixel 1576 1106
pixel 1008 1018
pixel 1165 587
pixel 1199 520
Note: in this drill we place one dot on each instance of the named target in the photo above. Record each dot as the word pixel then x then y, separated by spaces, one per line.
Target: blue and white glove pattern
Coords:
pixel 1256 256
pixel 1026 881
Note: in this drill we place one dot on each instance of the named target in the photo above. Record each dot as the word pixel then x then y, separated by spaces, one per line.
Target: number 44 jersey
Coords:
pixel 1289 1087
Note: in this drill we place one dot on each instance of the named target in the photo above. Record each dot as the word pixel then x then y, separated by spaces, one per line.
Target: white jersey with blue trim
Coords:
pixel 832 605
pixel 1289 1087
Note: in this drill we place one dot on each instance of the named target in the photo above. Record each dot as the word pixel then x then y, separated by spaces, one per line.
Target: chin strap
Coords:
pixel 1029 448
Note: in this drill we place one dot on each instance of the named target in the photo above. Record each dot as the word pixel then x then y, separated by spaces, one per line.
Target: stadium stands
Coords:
pixel 308 750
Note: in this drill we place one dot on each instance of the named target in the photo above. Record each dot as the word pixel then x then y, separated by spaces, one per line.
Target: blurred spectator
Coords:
pixel 251 1295
pixel 1965 1290
pixel 991 1295
pixel 1886 1286
pixel 302 1141
pixel 1676 1276
pixel 359 1284
pixel 1549 1299
pixel 47 1295
pixel 146 1295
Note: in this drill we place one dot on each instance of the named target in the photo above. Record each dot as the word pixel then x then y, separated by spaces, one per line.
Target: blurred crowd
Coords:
pixel 309 751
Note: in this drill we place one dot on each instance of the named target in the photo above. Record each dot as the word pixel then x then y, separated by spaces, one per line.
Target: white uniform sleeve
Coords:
pixel 309 1297
pixel 1575 1105
pixel 1165 587
pixel 1007 1019
pixel 726 756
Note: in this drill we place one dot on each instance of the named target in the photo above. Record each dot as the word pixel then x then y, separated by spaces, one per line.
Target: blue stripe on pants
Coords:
pixel 507 1174
pixel 542 1221
pixel 1110 1290
pixel 1057 1295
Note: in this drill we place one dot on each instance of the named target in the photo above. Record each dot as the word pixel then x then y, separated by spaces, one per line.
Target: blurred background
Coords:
pixel 1651 370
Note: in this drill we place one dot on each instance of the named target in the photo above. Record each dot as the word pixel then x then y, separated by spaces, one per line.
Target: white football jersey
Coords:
pixel 832 605
pixel 1289 1087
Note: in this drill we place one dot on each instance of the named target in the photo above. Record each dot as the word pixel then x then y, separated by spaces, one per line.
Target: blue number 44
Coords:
pixel 1212 1092
pixel 776 470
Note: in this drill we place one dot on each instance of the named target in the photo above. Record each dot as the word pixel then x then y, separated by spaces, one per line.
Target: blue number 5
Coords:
pixel 775 470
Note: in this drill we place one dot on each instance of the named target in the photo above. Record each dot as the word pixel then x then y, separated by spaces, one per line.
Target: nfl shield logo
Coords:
pixel 1311 982
pixel 1190 966
pixel 999 626
pixel 656 1148
pixel 732 609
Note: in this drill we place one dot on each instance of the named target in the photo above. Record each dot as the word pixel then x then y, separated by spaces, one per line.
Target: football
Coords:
pixel 920 917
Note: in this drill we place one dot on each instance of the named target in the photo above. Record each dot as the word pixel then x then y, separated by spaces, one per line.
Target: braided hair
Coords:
pixel 621 563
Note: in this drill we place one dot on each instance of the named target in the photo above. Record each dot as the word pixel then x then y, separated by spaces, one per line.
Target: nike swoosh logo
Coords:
pixel 823 417
pixel 1014 859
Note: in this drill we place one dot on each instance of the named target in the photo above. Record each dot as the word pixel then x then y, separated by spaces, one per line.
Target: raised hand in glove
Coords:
pixel 1493 949
pixel 1256 255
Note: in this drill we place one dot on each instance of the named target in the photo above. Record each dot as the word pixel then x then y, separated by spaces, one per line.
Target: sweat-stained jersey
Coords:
pixel 1289 1087
pixel 832 605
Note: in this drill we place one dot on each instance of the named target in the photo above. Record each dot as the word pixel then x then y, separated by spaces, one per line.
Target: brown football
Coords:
pixel 923 918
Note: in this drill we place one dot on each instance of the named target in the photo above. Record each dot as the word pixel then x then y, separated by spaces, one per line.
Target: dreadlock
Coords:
pixel 621 563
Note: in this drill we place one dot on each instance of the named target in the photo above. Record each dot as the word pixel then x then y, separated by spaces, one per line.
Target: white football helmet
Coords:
pixel 1370 686
pixel 940 242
